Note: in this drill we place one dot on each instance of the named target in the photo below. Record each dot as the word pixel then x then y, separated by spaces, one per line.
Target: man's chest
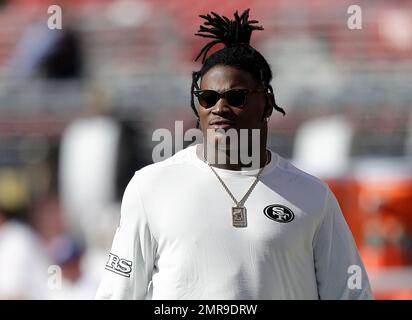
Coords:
pixel 196 220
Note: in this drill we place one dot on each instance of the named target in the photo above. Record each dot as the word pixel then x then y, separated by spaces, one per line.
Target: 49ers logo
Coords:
pixel 117 265
pixel 279 213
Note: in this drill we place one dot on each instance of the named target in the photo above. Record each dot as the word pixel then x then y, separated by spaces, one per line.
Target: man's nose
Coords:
pixel 221 106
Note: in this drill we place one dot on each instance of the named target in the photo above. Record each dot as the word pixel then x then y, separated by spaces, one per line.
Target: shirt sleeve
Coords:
pixel 129 266
pixel 340 272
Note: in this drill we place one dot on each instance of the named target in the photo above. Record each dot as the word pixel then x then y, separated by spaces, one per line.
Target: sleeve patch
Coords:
pixel 119 265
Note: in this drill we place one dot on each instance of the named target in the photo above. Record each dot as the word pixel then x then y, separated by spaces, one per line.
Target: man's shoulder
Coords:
pixel 180 160
pixel 304 190
pixel 300 177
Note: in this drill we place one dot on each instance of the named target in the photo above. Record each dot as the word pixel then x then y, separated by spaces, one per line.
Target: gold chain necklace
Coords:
pixel 239 217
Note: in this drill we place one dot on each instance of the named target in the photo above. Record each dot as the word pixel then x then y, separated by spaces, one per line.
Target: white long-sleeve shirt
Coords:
pixel 176 240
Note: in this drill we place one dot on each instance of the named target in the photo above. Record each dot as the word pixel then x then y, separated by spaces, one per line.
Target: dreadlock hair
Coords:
pixel 237 52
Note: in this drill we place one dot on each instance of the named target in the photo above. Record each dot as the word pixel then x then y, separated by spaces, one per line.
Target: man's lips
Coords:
pixel 221 124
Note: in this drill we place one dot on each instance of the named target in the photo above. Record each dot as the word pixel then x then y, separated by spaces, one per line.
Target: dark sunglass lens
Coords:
pixel 236 98
pixel 208 98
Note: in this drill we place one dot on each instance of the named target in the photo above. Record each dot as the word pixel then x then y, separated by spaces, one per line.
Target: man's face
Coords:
pixel 223 116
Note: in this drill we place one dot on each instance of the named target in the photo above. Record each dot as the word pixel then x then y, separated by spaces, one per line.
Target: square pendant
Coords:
pixel 239 217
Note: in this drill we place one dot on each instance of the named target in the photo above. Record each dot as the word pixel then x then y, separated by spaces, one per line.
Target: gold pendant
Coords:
pixel 239 217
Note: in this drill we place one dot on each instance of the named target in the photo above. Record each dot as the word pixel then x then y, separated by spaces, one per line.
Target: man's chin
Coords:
pixel 222 141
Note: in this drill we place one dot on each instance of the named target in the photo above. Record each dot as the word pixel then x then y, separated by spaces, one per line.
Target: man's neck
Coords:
pixel 221 158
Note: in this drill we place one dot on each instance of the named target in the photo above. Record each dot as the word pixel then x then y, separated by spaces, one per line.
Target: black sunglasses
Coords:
pixel 234 97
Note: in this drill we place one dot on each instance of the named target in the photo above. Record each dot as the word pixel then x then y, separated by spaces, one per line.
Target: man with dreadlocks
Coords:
pixel 194 227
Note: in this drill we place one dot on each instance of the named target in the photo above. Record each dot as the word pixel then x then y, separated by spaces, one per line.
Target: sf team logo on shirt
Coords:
pixel 279 213
pixel 118 265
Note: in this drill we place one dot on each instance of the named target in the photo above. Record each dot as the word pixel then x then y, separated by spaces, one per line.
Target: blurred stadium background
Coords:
pixel 78 107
